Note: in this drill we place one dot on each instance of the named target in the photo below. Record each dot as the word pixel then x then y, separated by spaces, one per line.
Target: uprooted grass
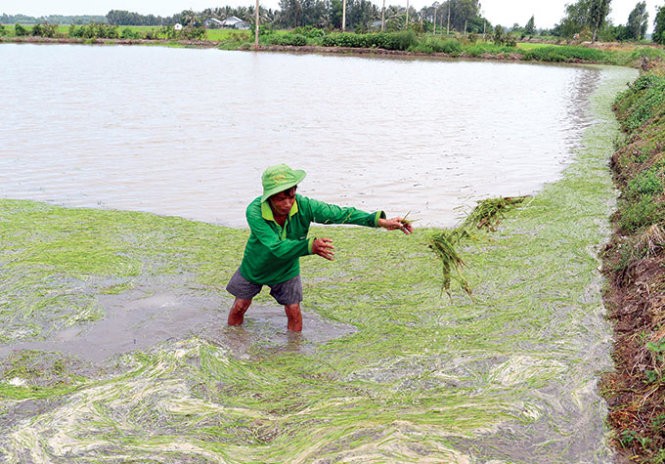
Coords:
pixel 446 243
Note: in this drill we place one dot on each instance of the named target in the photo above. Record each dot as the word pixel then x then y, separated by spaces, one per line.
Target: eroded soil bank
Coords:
pixel 634 262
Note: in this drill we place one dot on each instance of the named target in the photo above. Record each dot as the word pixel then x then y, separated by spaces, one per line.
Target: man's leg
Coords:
pixel 237 312
pixel 294 317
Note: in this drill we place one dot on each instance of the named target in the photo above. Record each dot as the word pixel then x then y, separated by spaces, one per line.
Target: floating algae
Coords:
pixel 508 377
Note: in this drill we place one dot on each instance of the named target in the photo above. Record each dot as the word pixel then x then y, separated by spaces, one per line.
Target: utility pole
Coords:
pixel 343 15
pixel 383 16
pixel 407 14
pixel 256 27
pixel 448 29
pixel 434 20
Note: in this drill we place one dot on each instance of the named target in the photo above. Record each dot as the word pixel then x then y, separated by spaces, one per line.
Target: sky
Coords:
pixel 546 13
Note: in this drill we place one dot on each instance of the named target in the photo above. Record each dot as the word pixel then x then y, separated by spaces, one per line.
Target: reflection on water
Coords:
pixel 188 132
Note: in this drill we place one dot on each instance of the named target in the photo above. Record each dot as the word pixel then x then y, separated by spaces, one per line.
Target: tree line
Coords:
pixel 584 19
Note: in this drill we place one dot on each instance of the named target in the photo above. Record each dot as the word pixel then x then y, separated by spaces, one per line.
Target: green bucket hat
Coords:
pixel 278 178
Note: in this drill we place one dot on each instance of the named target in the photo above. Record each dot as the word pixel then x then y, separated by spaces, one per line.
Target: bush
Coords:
pixel 645 183
pixel 488 49
pixel 3 31
pixel 44 30
pixel 566 54
pixel 20 31
pixel 295 40
pixel 152 34
pixel 639 214
pixel 192 33
pixel 385 40
pixel 449 46
pixel 94 31
pixel 346 39
pixel 643 101
pixel 130 34
pixel 310 32
pixel 186 33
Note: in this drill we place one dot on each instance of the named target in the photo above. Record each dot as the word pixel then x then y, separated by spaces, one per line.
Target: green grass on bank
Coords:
pixel 635 263
pixel 506 375
pixel 470 46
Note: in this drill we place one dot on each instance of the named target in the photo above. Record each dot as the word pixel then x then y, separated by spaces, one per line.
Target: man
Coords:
pixel 279 222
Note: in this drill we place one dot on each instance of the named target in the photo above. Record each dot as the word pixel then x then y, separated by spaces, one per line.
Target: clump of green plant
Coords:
pixel 128 33
pixel 385 40
pixel 636 215
pixel 20 31
pixel 94 31
pixel 294 40
pixel 566 54
pixel 444 245
pixel 489 213
pixel 310 32
pixel 44 30
pixel 435 45
pixel 657 352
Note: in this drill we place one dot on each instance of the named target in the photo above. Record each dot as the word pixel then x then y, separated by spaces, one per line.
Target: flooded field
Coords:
pixel 188 132
pixel 113 346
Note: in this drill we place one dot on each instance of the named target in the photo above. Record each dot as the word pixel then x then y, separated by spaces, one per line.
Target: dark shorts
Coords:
pixel 286 293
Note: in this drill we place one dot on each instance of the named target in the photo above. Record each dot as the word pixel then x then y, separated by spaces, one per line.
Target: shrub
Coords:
pixel 346 39
pixel 295 40
pixel 385 40
pixel 3 31
pixel 449 46
pixel 44 30
pixel 310 32
pixel 192 33
pixel 565 54
pixel 152 34
pixel 20 31
pixel 128 33
pixel 645 183
pixel 94 31
pixel 639 214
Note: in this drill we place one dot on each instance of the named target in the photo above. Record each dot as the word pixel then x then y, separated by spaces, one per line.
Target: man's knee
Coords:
pixel 294 317
pixel 241 305
pixel 237 312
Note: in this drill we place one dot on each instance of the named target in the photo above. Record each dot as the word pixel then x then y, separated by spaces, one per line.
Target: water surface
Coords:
pixel 188 132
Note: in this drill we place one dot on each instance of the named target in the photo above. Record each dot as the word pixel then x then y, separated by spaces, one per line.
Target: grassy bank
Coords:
pixel 508 374
pixel 635 264
pixel 308 39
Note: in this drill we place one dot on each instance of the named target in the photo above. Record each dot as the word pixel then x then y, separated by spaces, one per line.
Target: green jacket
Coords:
pixel 272 252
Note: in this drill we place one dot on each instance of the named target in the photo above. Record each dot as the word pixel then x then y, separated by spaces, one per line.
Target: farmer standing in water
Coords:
pixel 279 221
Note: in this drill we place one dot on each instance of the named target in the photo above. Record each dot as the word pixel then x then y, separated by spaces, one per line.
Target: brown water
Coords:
pixel 188 132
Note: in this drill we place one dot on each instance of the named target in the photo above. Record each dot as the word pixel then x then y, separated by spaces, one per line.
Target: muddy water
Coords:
pixel 188 132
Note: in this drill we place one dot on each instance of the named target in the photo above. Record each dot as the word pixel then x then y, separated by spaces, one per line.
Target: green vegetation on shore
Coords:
pixel 635 265
pixel 421 378
pixel 308 38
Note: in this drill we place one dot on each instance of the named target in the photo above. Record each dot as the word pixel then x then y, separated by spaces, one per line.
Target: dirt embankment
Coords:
pixel 634 263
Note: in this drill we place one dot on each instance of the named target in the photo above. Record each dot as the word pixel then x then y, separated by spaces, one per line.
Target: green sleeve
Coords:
pixel 325 213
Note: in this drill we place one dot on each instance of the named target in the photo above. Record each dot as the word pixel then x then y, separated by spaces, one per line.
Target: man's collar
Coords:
pixel 267 214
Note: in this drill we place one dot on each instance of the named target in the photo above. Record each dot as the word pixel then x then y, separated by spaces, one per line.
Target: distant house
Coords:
pixel 233 22
pixel 375 25
pixel 213 23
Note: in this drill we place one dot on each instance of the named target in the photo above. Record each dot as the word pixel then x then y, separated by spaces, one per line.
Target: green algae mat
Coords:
pixel 387 369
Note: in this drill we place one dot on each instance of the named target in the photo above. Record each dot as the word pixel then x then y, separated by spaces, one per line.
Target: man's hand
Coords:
pixel 395 224
pixel 324 248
